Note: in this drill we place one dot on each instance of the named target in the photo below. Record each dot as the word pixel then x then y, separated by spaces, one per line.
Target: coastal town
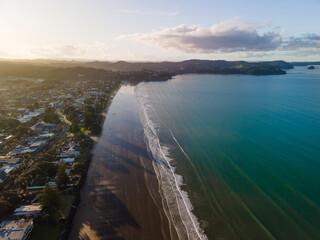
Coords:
pixel 46 133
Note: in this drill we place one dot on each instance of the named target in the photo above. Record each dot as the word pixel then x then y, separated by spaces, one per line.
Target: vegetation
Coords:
pixel 8 201
pixel 77 168
pixel 62 177
pixel 50 116
pixel 50 201
pixel 4 208
pixel 80 94
pixel 9 124
pixel 47 230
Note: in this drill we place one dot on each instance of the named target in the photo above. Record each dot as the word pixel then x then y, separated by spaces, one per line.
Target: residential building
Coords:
pixel 16 230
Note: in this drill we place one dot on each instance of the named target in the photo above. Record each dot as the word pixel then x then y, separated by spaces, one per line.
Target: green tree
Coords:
pixel 77 168
pixel 36 105
pixel 62 177
pixel 50 201
pixel 50 116
pixel 4 208
pixel 11 196
pixel 22 182
pixel 75 126
pixel 9 124
pixel 88 119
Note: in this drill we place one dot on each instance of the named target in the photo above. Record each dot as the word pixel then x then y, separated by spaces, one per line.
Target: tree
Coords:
pixel 88 119
pixel 62 177
pixel 95 128
pixel 77 168
pixel 22 181
pixel 9 124
pixel 50 116
pixel 36 105
pixel 50 200
pixel 11 196
pixel 75 126
pixel 4 208
pixel 23 130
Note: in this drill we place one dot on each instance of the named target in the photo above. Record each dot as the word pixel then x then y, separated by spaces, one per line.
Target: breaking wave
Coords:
pixel 177 205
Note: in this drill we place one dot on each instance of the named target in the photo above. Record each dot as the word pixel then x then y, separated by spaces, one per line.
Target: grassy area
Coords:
pixel 49 231
pixel 46 231
pixel 66 202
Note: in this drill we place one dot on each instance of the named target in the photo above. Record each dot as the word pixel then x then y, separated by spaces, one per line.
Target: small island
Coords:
pixel 311 67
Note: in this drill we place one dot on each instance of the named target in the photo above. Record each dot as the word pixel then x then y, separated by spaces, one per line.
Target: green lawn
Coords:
pixel 46 231
pixel 51 232
pixel 66 202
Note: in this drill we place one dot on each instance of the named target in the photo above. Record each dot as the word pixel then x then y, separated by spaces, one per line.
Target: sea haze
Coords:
pixel 247 148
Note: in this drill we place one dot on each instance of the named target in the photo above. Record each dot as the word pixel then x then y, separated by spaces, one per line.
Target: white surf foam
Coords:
pixel 177 201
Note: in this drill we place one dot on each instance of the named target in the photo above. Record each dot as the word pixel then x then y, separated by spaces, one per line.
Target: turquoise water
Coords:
pixel 252 150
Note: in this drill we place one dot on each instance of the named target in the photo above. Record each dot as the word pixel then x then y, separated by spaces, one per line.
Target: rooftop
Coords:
pixel 28 209
pixel 14 230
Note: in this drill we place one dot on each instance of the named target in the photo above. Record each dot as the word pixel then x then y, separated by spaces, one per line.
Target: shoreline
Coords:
pixel 120 198
pixel 180 211
pixel 95 137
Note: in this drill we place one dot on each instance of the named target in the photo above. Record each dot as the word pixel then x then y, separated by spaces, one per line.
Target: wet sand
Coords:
pixel 120 198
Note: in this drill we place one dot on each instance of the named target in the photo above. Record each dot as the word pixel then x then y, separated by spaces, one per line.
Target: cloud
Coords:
pixel 303 42
pixel 233 35
pixel 158 13
pixel 77 51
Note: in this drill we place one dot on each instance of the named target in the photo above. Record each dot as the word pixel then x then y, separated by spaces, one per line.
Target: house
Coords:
pixel 70 153
pixel 16 230
pixel 44 128
pixel 28 210
pixel 8 168
pixel 46 136
pixel 68 160
pixel 20 151
pixel 5 170
pixel 37 144
pixel 30 115
pixel 9 160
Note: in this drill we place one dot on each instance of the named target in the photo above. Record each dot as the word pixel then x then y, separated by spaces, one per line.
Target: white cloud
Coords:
pixel 233 35
pixel 78 51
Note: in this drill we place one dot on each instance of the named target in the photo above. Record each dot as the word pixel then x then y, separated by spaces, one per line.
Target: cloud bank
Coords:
pixel 77 51
pixel 227 37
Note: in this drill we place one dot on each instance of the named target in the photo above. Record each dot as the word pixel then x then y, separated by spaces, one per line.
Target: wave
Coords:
pixel 177 205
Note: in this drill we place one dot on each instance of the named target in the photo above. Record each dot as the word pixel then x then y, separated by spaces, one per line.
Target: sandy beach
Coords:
pixel 120 198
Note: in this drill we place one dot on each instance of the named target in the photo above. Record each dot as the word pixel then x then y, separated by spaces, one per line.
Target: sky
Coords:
pixel 147 30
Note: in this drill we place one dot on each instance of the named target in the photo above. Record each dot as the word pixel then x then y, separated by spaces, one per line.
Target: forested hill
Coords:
pixel 151 70
pixel 305 63
pixel 197 66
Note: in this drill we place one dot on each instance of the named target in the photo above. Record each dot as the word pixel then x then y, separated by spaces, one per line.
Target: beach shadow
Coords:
pixel 112 160
pixel 105 212
pixel 139 151
pixel 112 164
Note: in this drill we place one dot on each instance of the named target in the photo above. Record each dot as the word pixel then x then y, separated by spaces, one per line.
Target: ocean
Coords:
pixel 237 156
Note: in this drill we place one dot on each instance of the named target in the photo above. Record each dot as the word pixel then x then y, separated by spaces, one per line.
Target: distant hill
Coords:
pixel 280 63
pixel 197 66
pixel 188 65
pixel 70 68
pixel 18 69
pixel 305 63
